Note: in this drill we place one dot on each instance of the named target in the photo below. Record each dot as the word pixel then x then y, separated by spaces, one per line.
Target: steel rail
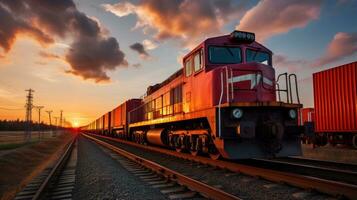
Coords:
pixel 321 162
pixel 309 166
pixel 204 189
pixel 330 187
pixel 54 171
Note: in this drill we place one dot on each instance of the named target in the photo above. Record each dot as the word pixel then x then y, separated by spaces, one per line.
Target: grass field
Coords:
pixel 15 139
pixel 19 166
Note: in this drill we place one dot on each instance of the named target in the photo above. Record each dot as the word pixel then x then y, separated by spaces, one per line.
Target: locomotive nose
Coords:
pixel 269 134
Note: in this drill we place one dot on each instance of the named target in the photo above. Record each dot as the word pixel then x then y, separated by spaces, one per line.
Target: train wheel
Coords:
pixel 214 153
pixel 354 141
pixel 193 144
pixel 215 156
pixel 194 152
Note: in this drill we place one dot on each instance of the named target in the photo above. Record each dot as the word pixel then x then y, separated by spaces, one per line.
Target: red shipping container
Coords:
pixel 335 98
pixel 306 115
pixel 119 114
pixel 106 121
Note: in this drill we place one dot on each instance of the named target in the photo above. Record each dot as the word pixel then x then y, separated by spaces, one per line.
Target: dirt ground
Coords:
pixel 18 166
pixel 337 154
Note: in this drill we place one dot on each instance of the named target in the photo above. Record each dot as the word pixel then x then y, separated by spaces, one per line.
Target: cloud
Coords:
pixel 187 20
pixel 150 45
pixel 284 63
pixel 49 55
pixel 104 52
pixel 273 17
pixel 139 48
pixel 136 65
pixel 341 46
pixel 50 20
pixel 120 9
pixel 11 26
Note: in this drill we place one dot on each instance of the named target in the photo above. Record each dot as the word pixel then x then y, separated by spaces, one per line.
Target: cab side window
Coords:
pixel 188 66
pixel 198 61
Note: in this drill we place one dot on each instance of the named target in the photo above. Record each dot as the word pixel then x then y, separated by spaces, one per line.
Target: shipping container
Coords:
pixel 119 114
pixel 107 119
pixel 306 115
pixel 335 99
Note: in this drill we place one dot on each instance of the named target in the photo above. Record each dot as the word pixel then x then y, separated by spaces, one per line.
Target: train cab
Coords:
pixel 235 75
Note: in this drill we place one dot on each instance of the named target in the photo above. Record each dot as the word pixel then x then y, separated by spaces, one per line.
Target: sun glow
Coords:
pixel 75 123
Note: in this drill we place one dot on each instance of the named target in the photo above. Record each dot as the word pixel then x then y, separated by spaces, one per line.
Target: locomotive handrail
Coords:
pixel 286 85
pixel 219 105
pixel 296 88
pixel 278 90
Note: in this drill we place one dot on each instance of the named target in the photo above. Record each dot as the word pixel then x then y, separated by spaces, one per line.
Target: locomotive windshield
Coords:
pixel 258 56
pixel 225 55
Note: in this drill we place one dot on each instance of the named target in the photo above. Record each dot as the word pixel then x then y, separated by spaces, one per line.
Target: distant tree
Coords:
pixel 19 125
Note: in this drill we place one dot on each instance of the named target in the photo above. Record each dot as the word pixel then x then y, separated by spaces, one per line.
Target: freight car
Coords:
pixel 335 99
pixel 222 102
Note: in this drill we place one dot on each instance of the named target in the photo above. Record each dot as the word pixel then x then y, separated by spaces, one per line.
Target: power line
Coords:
pixel 3 108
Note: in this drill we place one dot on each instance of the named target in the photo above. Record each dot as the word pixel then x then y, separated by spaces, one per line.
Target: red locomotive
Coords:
pixel 225 101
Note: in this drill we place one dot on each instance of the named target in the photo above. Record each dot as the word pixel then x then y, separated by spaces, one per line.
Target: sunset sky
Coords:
pixel 87 56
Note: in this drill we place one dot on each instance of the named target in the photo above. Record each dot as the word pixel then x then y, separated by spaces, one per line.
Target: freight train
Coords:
pixel 225 101
pixel 334 117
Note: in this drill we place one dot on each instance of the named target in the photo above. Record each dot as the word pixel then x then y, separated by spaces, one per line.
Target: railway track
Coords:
pixel 322 163
pixel 168 176
pixel 307 183
pixel 317 168
pixel 55 182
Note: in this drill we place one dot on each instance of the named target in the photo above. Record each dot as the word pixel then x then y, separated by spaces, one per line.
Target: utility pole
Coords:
pixel 60 124
pixel 29 106
pixel 49 118
pixel 56 126
pixel 39 120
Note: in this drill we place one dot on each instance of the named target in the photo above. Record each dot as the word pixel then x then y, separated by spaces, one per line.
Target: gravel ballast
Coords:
pixel 241 185
pixel 99 176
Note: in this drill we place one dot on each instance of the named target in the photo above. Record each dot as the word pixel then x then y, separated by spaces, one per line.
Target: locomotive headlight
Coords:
pixel 292 114
pixel 237 113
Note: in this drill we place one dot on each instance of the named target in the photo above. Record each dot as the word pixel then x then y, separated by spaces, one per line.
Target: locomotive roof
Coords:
pixel 226 40
pixel 219 40
pixel 151 89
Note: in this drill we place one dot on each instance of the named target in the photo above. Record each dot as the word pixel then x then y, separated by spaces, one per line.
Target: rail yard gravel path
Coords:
pixel 99 176
pixel 246 187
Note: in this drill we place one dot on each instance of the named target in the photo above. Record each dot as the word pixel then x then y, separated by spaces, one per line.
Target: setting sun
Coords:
pixel 75 124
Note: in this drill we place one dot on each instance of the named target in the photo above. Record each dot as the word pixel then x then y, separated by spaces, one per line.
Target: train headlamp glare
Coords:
pixel 237 113
pixel 292 114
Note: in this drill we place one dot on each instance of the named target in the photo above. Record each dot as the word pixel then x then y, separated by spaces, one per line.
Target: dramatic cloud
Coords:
pixel 187 20
pixel 140 49
pixel 91 54
pixel 273 17
pixel 104 52
pixel 11 26
pixel 341 46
